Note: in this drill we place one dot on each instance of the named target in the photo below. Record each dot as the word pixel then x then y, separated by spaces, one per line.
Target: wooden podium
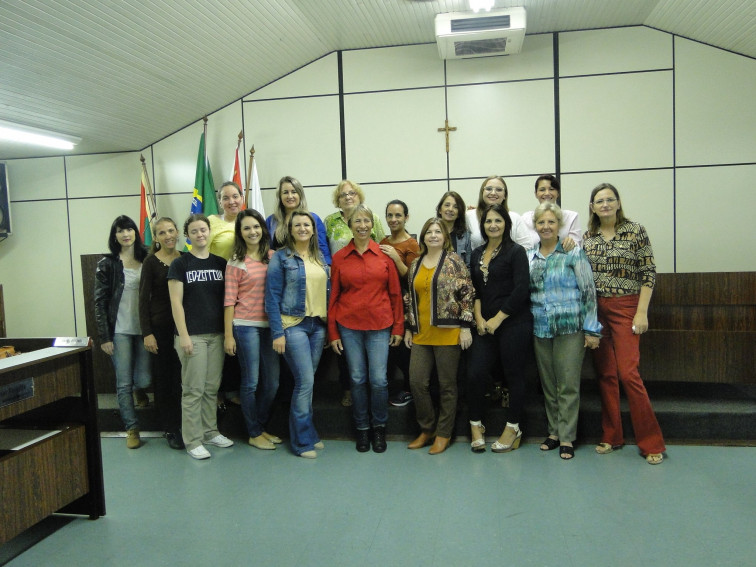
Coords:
pixel 50 455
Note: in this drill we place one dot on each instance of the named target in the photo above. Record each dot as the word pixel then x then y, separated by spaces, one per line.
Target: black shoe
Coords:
pixel 401 399
pixel 363 440
pixel 379 439
pixel 174 440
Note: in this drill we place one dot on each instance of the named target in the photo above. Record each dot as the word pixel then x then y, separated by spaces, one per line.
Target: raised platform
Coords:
pixel 687 412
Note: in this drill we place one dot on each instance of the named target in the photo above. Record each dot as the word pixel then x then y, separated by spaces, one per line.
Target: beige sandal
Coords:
pixel 606 448
pixel 654 458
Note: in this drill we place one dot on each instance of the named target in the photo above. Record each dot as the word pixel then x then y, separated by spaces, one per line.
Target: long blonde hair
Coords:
pixel 279 214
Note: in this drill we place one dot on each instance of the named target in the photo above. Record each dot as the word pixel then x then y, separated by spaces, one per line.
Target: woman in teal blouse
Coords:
pixel 565 323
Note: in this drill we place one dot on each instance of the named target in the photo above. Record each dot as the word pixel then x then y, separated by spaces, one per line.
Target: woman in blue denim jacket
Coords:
pixel 296 301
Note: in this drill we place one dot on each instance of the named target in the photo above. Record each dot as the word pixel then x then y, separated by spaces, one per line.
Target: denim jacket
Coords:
pixel 285 288
pixel 464 247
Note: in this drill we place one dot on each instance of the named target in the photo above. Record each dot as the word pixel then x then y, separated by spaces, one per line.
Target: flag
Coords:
pixel 236 175
pixel 254 194
pixel 203 199
pixel 147 208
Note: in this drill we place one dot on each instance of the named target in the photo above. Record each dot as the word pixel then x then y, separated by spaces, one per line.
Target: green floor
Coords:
pixel 250 507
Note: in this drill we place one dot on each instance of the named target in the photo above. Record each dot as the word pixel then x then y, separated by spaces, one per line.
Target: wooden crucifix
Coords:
pixel 446 129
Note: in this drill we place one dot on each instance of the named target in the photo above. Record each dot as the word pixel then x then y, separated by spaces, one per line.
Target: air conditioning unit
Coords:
pixel 466 34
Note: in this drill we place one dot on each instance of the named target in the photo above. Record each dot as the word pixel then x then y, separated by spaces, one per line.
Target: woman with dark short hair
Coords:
pixel 116 302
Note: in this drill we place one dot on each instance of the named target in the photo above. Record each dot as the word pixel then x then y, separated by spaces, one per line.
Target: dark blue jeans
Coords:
pixel 367 357
pixel 259 375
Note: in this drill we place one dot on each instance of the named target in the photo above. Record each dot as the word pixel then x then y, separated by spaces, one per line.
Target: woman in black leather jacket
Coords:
pixel 116 298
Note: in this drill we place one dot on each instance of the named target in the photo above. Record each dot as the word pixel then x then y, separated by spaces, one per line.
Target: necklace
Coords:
pixel 484 265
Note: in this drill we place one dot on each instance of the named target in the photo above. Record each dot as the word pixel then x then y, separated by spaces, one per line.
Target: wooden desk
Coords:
pixel 63 471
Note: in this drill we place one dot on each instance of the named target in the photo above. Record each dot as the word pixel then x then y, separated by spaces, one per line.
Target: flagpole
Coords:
pixel 204 120
pixel 249 172
pixel 149 191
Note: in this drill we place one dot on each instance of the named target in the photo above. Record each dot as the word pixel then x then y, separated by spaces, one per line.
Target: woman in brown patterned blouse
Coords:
pixel 624 272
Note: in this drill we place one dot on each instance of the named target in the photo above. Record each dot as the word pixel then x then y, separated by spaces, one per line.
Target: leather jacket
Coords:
pixel 109 282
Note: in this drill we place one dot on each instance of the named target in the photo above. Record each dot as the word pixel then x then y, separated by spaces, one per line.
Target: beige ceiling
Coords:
pixel 121 74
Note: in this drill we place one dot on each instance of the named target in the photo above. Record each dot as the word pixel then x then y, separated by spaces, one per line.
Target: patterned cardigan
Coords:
pixel 452 294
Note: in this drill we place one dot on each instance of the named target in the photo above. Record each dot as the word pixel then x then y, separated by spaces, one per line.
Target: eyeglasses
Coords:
pixel 490 188
pixel 609 201
pixel 351 194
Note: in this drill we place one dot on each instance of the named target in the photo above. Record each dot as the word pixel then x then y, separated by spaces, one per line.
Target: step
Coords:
pixel 687 413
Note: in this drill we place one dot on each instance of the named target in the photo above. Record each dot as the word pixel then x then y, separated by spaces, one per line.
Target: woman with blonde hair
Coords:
pixel 291 197
pixel 296 301
pixel 346 197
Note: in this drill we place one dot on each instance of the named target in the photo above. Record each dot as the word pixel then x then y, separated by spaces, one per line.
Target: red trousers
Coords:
pixel 616 360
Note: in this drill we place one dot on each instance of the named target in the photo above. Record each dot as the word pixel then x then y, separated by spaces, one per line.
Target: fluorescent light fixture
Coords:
pixel 36 137
pixel 478 5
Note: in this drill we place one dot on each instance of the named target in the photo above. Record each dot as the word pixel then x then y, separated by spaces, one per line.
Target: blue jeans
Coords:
pixel 367 357
pixel 132 370
pixel 304 345
pixel 259 365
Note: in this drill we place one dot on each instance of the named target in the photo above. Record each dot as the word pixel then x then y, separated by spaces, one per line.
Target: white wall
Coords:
pixel 669 121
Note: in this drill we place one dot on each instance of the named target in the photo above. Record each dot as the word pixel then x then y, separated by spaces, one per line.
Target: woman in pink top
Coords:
pixel 247 332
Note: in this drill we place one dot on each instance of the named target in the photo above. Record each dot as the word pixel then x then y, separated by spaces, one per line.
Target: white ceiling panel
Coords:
pixel 121 74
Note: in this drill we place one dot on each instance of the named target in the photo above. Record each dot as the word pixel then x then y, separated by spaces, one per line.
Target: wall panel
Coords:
pixel 715 105
pixel 712 234
pixel 104 175
pixel 393 135
pixel 317 78
pixel 617 50
pixel 505 128
pixel 41 178
pixel 386 68
pixel 298 137
pixel 35 270
pixel 616 122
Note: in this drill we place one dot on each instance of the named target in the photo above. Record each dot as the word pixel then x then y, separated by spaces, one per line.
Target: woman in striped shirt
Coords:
pixel 247 333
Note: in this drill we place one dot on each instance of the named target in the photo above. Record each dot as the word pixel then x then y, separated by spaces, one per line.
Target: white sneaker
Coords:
pixel 199 453
pixel 220 441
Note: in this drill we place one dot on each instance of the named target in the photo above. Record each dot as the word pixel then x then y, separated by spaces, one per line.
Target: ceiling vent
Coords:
pixel 465 34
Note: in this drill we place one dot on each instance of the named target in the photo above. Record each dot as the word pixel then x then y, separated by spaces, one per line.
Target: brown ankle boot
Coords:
pixel 439 445
pixel 422 440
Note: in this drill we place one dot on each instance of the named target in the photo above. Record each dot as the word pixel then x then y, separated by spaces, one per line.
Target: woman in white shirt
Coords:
pixel 493 191
pixel 547 191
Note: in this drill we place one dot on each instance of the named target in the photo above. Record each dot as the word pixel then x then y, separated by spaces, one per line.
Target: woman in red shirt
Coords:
pixel 365 316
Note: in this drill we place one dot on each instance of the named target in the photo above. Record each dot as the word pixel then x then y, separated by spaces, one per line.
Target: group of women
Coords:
pixel 291 284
